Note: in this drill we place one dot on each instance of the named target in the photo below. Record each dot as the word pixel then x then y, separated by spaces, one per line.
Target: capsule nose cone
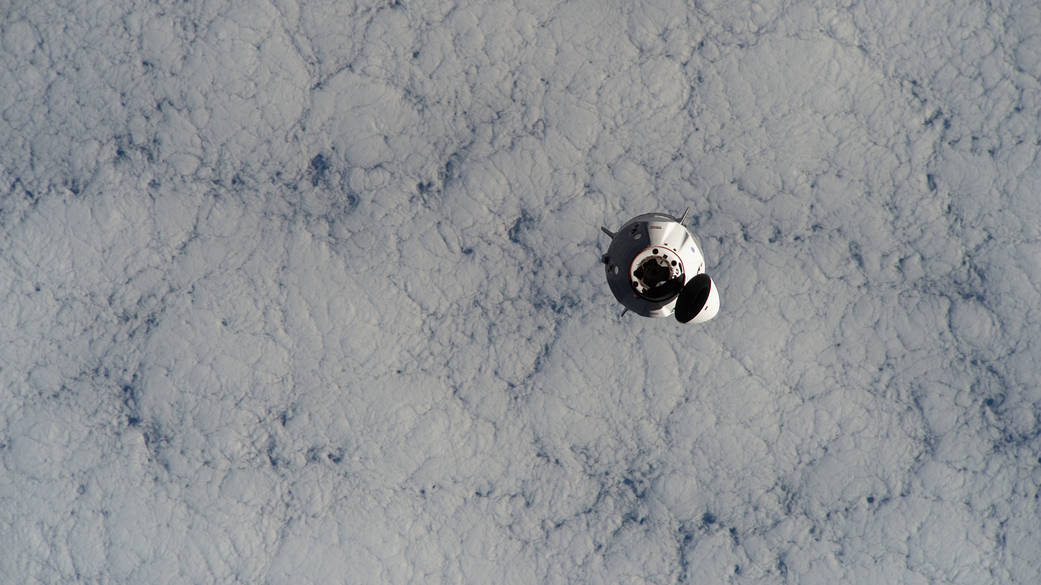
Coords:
pixel 698 301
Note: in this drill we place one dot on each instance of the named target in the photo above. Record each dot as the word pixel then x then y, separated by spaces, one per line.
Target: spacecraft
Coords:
pixel 655 268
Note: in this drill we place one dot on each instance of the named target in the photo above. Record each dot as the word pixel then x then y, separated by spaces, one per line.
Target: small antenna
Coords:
pixel 609 233
pixel 684 216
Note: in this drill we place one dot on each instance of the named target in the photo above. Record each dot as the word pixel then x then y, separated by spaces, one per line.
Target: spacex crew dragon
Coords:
pixel 655 268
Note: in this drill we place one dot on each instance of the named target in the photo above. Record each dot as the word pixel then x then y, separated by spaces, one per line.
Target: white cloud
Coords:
pixel 311 293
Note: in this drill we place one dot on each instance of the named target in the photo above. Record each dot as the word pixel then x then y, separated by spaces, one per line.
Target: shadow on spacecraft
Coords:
pixel 655 268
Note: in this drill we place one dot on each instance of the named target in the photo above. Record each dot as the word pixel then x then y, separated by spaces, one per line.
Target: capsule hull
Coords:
pixel 649 263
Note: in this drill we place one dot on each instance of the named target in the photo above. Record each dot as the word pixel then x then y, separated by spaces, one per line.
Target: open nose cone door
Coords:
pixel 698 301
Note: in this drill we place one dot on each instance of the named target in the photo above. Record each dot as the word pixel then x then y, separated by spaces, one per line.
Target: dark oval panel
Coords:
pixel 693 298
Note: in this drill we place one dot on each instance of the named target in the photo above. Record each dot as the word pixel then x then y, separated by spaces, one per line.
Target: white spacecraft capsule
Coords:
pixel 655 268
